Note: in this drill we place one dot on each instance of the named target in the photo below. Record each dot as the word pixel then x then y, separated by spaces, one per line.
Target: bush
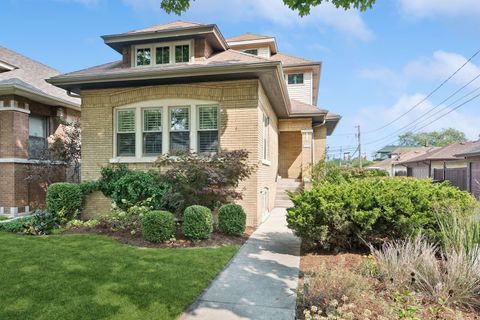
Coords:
pixel 17 225
pixel 158 226
pixel 324 171
pixel 128 187
pixel 125 220
pixel 208 181
pixel 65 200
pixel 339 215
pixel 89 187
pixel 197 222
pixel 232 219
pixel 42 222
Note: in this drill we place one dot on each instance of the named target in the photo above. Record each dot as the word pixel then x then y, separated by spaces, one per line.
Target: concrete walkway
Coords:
pixel 261 280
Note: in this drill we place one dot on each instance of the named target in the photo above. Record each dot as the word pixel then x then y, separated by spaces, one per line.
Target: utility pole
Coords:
pixel 359 147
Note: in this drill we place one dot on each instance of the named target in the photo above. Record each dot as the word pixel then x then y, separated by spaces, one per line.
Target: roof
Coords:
pixel 387 148
pixel 404 154
pixel 474 151
pixel 29 76
pixel 179 24
pixel 290 60
pixel 305 108
pixel 248 37
pixel 447 153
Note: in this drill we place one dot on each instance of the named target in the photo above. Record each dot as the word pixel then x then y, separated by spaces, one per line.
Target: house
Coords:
pixel 472 158
pixel 384 153
pixel 29 112
pixel 442 164
pixel 183 86
pixel 392 164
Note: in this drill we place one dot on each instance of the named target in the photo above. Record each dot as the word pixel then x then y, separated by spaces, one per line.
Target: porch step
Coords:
pixel 282 199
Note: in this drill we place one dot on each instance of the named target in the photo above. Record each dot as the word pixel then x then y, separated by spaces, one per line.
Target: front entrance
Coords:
pixel 290 154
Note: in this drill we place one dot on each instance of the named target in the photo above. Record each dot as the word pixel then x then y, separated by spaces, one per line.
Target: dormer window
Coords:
pixel 163 53
pixel 295 78
pixel 252 51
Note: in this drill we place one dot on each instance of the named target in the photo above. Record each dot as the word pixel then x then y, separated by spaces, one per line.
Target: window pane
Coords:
pixel 182 53
pixel 251 51
pixel 152 120
pixel 126 144
pixel 36 126
pixel 295 78
pixel 179 141
pixel 163 55
pixel 208 141
pixel 208 117
pixel 143 57
pixel 179 119
pixel 152 143
pixel 37 147
pixel 126 121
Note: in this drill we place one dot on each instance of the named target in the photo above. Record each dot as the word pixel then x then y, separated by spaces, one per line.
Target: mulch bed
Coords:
pixel 217 239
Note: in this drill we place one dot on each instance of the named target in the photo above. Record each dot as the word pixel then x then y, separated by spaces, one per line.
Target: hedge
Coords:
pixel 197 222
pixel 158 226
pixel 65 200
pixel 232 219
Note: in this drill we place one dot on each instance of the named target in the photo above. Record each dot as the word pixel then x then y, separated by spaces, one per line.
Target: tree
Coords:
pixel 303 6
pixel 440 138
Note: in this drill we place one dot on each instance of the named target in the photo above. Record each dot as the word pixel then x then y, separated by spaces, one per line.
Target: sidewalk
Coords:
pixel 261 280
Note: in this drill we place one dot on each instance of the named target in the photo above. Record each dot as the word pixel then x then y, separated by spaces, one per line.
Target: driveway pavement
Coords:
pixel 261 280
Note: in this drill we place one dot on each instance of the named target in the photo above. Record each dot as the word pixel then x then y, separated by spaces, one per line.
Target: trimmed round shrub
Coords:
pixel 65 200
pixel 197 222
pixel 232 219
pixel 158 226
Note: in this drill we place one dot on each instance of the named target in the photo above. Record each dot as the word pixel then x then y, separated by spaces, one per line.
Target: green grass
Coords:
pixel 94 277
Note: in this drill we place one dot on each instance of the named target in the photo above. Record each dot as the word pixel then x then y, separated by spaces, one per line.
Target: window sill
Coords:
pixel 266 162
pixel 133 160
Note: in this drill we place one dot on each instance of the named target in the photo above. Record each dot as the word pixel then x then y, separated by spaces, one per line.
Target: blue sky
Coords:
pixel 376 64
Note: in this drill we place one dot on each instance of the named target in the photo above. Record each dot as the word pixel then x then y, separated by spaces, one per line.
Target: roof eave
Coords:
pixel 37 96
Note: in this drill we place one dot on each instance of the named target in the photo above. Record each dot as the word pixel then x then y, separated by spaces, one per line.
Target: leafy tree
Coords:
pixel 303 6
pixel 440 138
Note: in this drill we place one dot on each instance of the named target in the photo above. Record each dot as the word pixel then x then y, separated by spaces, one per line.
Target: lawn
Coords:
pixel 94 277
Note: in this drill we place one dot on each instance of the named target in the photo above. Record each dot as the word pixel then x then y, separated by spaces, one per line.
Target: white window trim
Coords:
pixel 142 112
pixel 295 84
pixel 165 105
pixel 153 50
pixel 198 106
pixel 265 139
pixel 190 117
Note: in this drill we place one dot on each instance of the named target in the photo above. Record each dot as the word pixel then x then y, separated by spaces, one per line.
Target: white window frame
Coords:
pixel 265 139
pixel 115 134
pixel 170 130
pixel 198 123
pixel 295 84
pixel 144 154
pixel 153 49
pixel 164 105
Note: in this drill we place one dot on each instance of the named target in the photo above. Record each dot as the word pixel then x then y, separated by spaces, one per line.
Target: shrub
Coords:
pixel 158 226
pixel 339 215
pixel 324 171
pixel 128 187
pixel 89 187
pixel 200 180
pixel 42 222
pixel 197 222
pixel 17 225
pixel 65 200
pixel 72 224
pixel 125 220
pixel 232 219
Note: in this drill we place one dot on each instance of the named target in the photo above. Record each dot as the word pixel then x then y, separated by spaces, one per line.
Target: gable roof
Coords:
pixel 248 37
pixel 447 153
pixel 28 78
pixel 179 24
pixel 474 151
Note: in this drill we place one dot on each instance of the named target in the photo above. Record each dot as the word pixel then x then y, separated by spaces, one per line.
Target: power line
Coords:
pixel 426 97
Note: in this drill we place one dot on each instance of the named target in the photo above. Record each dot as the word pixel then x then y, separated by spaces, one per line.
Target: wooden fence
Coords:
pixel 456 176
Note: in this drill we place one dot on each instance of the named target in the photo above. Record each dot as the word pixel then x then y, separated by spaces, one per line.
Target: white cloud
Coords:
pixel 440 66
pixel 440 8
pixel 325 16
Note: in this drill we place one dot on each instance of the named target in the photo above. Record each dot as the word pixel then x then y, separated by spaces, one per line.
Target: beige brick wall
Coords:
pixel 239 104
pixel 319 143
pixel 96 204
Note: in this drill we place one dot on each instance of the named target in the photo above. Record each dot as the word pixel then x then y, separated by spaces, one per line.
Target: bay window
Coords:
pixel 207 129
pixel 126 132
pixel 179 129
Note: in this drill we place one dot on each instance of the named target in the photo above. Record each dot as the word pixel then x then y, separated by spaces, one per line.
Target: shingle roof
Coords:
pixel 31 75
pixel 287 59
pixel 305 108
pixel 167 26
pixel 248 37
pixel 228 57
pixel 445 153
pixel 404 154
pixel 469 152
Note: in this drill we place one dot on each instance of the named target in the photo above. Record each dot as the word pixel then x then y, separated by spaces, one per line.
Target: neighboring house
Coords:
pixel 182 86
pixel 29 109
pixel 472 157
pixel 384 153
pixel 400 154
pixel 442 164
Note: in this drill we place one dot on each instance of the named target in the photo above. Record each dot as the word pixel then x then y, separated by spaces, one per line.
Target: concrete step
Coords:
pixel 283 203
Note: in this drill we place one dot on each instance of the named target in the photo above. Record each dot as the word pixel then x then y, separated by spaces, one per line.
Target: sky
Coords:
pixel 376 65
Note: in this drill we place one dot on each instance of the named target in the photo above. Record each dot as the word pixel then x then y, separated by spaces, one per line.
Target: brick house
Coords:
pixel 183 86
pixel 29 111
